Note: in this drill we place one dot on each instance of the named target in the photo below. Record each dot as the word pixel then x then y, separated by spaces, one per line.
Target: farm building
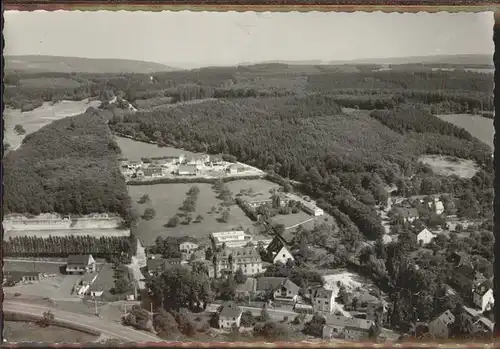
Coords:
pixel 153 172
pixel 17 277
pixel 79 264
pixel 187 170
pixel 236 168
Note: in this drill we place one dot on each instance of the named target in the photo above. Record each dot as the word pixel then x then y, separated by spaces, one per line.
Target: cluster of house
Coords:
pixel 440 326
pixel 283 200
pixel 232 250
pixel 409 214
pixel 316 299
pixel 179 165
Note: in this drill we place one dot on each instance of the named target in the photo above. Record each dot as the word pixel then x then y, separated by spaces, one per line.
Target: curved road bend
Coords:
pixel 109 329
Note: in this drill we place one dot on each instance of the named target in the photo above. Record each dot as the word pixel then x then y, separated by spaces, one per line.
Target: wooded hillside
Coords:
pixel 68 166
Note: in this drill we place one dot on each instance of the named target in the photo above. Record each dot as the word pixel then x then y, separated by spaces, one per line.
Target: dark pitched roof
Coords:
pixel 155 263
pixel 269 283
pixel 230 310
pixel 406 212
pixel 276 245
pixel 18 275
pixel 79 259
pixel 322 292
pixel 289 285
pixel 173 260
pixel 446 317
pixel 188 239
pixel 349 322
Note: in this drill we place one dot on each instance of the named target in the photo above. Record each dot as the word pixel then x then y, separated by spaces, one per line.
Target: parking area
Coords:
pixel 54 283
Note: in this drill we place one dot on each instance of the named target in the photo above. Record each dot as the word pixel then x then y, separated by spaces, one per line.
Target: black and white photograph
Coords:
pixel 182 176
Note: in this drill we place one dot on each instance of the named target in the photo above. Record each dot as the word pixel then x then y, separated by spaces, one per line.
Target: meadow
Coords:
pixel 166 200
pixel 135 150
pixel 21 331
pixel 478 126
pixel 35 119
pixel 447 166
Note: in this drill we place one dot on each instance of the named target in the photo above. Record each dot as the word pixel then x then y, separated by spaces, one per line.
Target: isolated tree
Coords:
pixel 173 222
pixel 19 129
pixel 149 214
pixel 145 198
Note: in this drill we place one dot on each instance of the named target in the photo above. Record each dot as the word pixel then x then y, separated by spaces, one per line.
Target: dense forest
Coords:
pixel 442 91
pixel 68 166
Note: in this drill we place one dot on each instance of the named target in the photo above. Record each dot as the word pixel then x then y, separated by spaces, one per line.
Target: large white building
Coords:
pixel 235 238
pixel 231 259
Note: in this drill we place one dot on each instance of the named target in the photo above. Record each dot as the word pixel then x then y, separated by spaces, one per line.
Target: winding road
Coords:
pixel 106 328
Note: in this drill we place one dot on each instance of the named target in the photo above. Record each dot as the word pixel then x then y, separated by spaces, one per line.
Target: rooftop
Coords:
pixel 230 310
pixel 343 321
pixel 79 259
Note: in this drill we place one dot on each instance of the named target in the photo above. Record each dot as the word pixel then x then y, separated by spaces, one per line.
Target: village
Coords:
pixel 347 313
pixel 198 165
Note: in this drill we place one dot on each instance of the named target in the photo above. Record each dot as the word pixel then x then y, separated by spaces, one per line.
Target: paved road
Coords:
pixel 107 329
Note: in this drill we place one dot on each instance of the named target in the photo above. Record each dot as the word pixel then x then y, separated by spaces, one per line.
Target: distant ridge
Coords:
pixel 61 64
pixel 462 59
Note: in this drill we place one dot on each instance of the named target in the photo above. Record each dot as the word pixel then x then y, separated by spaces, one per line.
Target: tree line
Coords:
pixel 62 246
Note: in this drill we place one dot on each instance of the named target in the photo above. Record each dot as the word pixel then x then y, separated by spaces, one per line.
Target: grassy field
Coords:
pixel 446 166
pixel 166 200
pixel 260 187
pixel 135 150
pixel 20 331
pixel 478 126
pixel 33 120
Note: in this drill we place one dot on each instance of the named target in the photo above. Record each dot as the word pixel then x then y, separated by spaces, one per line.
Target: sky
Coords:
pixel 191 39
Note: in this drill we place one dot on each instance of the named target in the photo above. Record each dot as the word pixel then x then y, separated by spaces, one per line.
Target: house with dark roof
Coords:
pixel 12 278
pixel 229 316
pixel 188 244
pixel 483 296
pixel 216 159
pixel 406 214
pixel 282 289
pixel 80 264
pixel 323 300
pixel 338 326
pixel 155 266
pixel 439 327
pixel 153 172
pixel 231 259
pixel 278 251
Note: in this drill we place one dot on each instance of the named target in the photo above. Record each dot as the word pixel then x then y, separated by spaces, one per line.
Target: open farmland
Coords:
pixel 35 119
pixel 447 166
pixel 166 200
pixel 135 150
pixel 478 126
